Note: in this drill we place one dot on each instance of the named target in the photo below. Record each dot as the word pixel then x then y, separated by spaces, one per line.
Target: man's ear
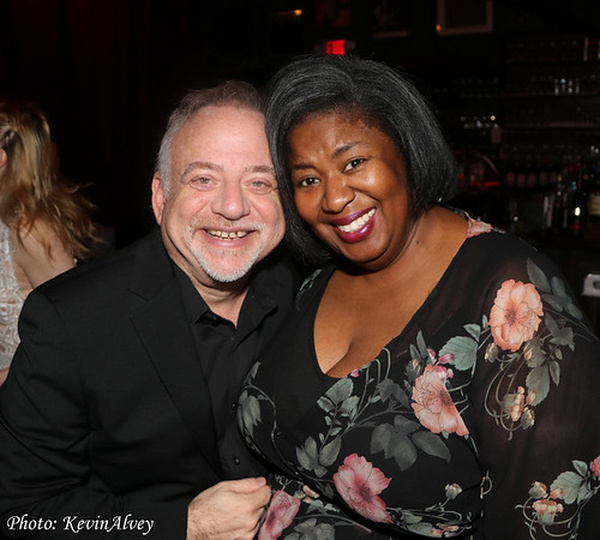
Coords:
pixel 3 157
pixel 158 197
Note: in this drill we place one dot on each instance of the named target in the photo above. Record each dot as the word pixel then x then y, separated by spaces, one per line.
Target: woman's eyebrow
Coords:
pixel 336 153
pixel 345 147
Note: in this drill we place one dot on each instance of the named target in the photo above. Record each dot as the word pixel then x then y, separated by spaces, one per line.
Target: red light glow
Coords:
pixel 335 46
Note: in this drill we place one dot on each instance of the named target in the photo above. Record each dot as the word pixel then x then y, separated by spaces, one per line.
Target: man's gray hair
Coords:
pixel 236 93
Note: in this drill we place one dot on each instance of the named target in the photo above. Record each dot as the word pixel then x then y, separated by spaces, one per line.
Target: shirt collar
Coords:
pixel 259 302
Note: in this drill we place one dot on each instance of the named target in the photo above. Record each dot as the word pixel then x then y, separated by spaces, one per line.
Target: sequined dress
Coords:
pixel 11 299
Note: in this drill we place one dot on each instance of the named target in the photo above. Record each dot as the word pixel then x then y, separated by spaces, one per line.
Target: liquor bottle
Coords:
pixel 543 173
pixel 576 209
pixel 593 203
pixel 531 177
pixel 554 173
pixel 509 174
pixel 521 176
pixel 559 208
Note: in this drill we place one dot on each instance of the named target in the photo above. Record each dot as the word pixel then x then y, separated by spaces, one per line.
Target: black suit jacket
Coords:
pixel 106 411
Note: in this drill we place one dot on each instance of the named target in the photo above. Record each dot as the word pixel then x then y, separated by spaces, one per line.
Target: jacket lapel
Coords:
pixel 166 335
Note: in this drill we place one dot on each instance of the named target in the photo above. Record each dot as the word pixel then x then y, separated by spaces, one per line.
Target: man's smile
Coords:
pixel 227 235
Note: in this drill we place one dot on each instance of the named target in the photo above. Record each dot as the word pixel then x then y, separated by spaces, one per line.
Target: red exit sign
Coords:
pixel 335 46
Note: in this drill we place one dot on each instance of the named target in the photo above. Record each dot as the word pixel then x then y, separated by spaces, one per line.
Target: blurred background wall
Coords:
pixel 108 72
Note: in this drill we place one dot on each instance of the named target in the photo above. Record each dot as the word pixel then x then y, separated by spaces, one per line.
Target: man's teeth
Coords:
pixel 227 235
pixel 357 224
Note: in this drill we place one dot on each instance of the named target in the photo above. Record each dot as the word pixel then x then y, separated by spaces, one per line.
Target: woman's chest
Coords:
pixel 387 421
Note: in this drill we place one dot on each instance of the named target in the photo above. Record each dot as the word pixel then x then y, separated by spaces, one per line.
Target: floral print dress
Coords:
pixel 480 420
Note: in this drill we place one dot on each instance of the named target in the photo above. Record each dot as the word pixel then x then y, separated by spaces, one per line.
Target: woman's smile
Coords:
pixel 355 227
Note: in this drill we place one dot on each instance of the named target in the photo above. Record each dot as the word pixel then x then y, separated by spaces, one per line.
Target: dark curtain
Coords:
pixel 107 72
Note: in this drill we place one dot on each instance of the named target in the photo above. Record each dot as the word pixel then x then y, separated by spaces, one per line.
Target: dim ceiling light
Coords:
pixel 282 17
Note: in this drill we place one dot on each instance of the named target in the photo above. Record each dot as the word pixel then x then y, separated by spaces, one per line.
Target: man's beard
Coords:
pixel 225 269
pixel 221 272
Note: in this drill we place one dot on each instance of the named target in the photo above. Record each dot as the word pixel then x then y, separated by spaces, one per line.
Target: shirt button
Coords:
pixel 236 460
pixel 234 406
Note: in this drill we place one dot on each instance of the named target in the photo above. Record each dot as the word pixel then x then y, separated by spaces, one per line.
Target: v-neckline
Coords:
pixel 406 330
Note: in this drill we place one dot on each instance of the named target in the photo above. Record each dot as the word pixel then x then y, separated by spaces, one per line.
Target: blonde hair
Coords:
pixel 31 186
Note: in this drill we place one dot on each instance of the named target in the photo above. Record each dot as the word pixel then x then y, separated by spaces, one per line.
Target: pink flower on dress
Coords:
pixel 515 315
pixel 433 405
pixel 447 527
pixel 514 404
pixel 546 509
pixel 477 227
pixel 596 467
pixel 359 484
pixel 281 512
pixel 444 359
pixel 538 490
pixel 453 490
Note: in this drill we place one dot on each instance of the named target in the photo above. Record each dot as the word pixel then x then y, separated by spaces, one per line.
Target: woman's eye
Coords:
pixel 352 164
pixel 307 182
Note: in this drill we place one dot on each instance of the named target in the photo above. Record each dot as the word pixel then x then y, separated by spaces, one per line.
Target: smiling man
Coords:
pixel 118 416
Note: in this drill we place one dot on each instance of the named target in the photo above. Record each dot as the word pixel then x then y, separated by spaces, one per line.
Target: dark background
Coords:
pixel 108 72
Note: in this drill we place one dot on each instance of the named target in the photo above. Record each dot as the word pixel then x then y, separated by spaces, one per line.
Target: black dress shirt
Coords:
pixel 226 352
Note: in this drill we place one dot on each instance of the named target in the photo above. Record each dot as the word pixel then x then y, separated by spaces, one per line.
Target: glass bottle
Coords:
pixel 593 203
pixel 576 209
pixel 559 215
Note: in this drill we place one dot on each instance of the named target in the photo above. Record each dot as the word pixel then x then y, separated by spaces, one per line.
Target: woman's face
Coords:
pixel 350 187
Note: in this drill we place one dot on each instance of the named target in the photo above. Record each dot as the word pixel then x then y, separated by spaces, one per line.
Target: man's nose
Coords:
pixel 337 194
pixel 231 201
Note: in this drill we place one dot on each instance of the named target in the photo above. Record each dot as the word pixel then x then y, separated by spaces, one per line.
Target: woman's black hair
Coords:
pixel 379 96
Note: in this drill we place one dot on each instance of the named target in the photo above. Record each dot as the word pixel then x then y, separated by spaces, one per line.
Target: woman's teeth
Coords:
pixel 357 224
pixel 227 235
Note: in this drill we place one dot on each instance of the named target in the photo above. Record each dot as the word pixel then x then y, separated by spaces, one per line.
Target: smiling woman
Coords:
pixel 424 381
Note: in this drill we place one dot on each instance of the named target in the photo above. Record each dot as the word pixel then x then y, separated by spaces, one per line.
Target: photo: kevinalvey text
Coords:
pixel 77 524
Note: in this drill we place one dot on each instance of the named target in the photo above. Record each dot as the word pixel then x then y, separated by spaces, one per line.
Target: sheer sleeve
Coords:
pixel 536 406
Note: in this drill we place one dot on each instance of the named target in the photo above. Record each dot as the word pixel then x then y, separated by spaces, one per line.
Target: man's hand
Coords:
pixel 229 510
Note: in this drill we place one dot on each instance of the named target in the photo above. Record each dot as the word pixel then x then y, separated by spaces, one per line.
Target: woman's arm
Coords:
pixel 537 410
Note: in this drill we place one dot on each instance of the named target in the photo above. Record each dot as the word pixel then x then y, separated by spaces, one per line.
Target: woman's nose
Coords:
pixel 337 194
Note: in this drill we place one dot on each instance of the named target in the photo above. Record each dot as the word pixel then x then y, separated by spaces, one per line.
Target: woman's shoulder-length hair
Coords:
pixel 375 94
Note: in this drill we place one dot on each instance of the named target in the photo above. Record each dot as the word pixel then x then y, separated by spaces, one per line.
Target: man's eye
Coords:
pixel 353 163
pixel 261 186
pixel 200 182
